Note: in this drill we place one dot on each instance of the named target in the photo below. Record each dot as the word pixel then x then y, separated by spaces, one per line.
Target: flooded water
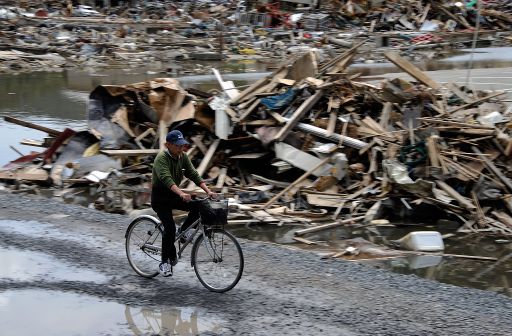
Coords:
pixel 58 100
pixel 21 265
pixel 25 312
pixel 482 274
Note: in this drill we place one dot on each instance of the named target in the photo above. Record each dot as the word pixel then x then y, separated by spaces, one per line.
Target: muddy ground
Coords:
pixel 282 292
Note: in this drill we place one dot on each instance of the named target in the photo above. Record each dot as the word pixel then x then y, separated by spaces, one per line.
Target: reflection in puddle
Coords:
pixel 170 321
pixel 57 313
pixel 488 275
pixel 28 265
pixel 482 274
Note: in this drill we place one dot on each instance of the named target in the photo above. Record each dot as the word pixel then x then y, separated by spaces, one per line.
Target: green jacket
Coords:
pixel 168 170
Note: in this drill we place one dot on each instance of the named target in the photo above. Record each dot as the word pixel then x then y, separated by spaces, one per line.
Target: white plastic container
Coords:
pixel 426 241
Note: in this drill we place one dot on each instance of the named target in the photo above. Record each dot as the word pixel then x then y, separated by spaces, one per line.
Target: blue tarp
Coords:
pixel 277 102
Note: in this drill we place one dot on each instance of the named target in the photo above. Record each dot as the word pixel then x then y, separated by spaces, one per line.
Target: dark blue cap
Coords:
pixel 176 138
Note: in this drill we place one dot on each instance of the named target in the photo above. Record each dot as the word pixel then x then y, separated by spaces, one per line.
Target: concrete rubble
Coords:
pixel 172 37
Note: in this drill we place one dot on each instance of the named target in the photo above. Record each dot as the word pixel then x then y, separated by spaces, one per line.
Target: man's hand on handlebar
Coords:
pixel 186 197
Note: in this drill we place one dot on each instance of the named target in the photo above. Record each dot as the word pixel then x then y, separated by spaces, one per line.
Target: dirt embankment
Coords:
pixel 282 292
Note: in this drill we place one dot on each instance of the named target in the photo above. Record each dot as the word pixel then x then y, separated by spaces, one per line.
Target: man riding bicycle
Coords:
pixel 169 168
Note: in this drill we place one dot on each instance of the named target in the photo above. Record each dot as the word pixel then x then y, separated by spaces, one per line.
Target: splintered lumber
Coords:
pixel 32 125
pixel 433 152
pixel 298 114
pixel 386 113
pixel 129 152
pixel 31 142
pixel 411 69
pixel 451 255
pixel 206 161
pixel 462 95
pixel 257 85
pixel 340 62
pixel 328 226
pixel 307 241
pixel 503 217
pixel 221 178
pixel 456 123
pixel 475 102
pixel 297 181
pixel 32 174
pixel 493 168
pixel 458 197
pixel 351 197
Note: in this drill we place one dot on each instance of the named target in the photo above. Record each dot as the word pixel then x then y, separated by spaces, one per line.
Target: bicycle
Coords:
pixel 216 255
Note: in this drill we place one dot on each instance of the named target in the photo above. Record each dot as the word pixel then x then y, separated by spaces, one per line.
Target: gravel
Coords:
pixel 283 291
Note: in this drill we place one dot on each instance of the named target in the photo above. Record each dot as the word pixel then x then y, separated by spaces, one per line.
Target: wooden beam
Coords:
pixel 463 107
pixel 297 181
pixel 456 123
pixel 221 178
pixel 328 226
pixel 384 117
pixel 458 197
pixel 206 161
pixel 298 114
pixel 411 69
pixel 129 152
pixel 28 175
pixel 493 168
pixel 32 125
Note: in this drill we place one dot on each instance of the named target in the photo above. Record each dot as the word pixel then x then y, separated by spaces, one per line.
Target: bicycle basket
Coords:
pixel 214 213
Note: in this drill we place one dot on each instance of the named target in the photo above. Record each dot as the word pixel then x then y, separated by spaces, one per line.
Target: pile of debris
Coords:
pixel 307 144
pixel 167 39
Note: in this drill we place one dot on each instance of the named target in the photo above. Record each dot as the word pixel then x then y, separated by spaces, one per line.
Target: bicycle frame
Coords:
pixel 196 226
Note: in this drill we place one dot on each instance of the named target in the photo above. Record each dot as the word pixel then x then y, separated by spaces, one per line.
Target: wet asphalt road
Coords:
pixel 282 292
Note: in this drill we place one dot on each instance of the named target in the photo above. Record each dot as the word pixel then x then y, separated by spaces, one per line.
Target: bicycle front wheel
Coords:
pixel 143 246
pixel 218 260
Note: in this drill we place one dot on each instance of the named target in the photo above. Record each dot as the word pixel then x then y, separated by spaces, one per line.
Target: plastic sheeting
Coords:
pixel 278 102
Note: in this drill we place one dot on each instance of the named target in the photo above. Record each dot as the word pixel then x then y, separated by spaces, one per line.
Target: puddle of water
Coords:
pixel 56 313
pixel 488 275
pixel 30 266
pixel 171 321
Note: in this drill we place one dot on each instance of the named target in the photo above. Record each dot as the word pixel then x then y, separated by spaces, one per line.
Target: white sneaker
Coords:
pixel 165 269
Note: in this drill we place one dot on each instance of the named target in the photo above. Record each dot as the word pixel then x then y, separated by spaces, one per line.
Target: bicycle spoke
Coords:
pixel 218 261
pixel 142 232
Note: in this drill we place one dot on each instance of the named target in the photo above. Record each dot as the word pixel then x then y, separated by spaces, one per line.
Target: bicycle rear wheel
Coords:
pixel 143 246
pixel 218 260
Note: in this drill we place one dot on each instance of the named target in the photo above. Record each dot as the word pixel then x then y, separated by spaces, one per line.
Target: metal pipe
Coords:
pixel 358 144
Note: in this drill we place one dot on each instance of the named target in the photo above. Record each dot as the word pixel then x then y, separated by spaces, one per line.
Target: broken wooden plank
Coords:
pixel 384 117
pixel 495 170
pixel 206 161
pixel 328 226
pixel 298 114
pixel 31 174
pixel 433 152
pixel 32 125
pixel 456 123
pixel 458 197
pixel 477 101
pixel 411 69
pixel 129 152
pixel 297 181
pixel 221 178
